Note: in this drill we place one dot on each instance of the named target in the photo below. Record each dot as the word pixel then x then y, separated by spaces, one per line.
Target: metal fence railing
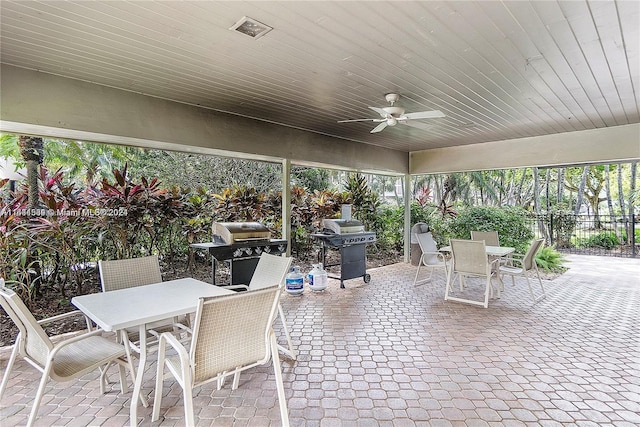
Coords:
pixel 589 234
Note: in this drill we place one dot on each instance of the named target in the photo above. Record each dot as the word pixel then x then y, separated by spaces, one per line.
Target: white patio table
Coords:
pixel 142 305
pixel 492 252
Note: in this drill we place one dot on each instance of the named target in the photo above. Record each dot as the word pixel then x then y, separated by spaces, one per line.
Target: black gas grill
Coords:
pixel 349 239
pixel 240 244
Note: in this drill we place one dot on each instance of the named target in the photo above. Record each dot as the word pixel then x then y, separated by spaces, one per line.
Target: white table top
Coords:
pixel 491 250
pixel 124 308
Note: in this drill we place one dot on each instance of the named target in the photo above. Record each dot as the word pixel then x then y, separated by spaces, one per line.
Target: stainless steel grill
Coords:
pixel 239 245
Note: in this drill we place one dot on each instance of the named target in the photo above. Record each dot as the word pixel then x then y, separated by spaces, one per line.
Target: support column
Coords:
pixel 407 218
pixel 286 203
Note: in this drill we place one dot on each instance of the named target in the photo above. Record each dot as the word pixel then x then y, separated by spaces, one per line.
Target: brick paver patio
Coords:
pixel 391 354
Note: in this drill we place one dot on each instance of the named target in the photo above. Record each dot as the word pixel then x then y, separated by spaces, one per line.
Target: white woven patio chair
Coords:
pixel 470 260
pixel 271 270
pixel 525 265
pixel 230 332
pixel 490 237
pixel 132 272
pixel 431 258
pixel 63 361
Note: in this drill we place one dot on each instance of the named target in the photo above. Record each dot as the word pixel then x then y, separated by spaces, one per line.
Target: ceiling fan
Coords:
pixel 392 115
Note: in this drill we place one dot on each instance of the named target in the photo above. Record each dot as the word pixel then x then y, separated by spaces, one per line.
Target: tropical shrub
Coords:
pixel 509 222
pixel 606 240
pixel 365 202
pixel 548 259
pixel 564 224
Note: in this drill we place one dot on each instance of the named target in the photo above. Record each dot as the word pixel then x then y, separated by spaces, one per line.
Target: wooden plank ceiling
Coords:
pixel 497 69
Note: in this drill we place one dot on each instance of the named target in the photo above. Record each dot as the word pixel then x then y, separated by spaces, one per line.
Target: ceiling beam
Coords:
pixel 52 106
pixel 605 145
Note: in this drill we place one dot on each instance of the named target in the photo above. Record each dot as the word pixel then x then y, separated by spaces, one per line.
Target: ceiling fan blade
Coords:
pixel 362 120
pixel 379 127
pixel 424 115
pixel 356 120
pixel 379 111
pixel 418 125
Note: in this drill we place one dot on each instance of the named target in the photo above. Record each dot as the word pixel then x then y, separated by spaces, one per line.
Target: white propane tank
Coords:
pixel 294 281
pixel 318 279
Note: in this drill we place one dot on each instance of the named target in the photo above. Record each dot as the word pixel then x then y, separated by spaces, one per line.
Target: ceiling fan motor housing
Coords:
pixel 392 98
pixel 394 111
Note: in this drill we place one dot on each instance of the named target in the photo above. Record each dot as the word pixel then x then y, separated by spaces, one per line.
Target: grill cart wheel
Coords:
pixel 367 278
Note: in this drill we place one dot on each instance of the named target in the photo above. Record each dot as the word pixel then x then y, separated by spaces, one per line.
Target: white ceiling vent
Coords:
pixel 251 27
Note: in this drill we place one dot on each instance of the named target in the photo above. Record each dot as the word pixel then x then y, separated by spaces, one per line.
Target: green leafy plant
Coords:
pixel 607 240
pixel 365 201
pixel 564 224
pixel 549 259
pixel 509 222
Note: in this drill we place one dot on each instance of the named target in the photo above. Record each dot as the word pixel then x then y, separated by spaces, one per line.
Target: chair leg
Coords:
pixel 291 352
pixel 533 297
pixel 132 369
pixel 12 359
pixel 415 279
pixel 447 285
pixel 487 290
pixel 544 294
pixel 284 414
pixel 236 379
pixel 430 273
pixel 39 394
pixel 188 404
pixel 157 398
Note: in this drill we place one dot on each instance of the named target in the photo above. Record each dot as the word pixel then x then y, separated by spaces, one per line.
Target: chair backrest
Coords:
pixel 469 256
pixel 32 340
pixel 490 237
pixel 427 244
pixel 530 257
pixel 129 273
pixel 231 331
pixel 271 270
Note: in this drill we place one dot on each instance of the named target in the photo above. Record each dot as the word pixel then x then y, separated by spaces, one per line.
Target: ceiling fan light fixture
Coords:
pixel 251 27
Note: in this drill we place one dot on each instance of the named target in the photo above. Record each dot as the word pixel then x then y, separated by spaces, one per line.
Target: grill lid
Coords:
pixel 231 232
pixel 343 226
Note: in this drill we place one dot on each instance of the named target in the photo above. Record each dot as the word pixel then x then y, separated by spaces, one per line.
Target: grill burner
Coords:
pixel 240 244
pixel 352 248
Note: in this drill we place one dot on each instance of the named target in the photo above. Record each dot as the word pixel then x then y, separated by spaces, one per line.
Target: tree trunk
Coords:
pixel 583 183
pixel 560 186
pixel 31 150
pixel 536 204
pixel 634 168
pixel 623 211
pixel 519 188
pixel 612 218
pixel 546 186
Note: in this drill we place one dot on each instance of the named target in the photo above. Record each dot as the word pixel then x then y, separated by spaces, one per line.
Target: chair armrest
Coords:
pixel 64 316
pixel 438 254
pixel 168 338
pixel 494 261
pixel 517 258
pixel 236 287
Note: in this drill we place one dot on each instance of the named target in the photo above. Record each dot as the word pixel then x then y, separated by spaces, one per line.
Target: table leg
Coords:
pixel 137 386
